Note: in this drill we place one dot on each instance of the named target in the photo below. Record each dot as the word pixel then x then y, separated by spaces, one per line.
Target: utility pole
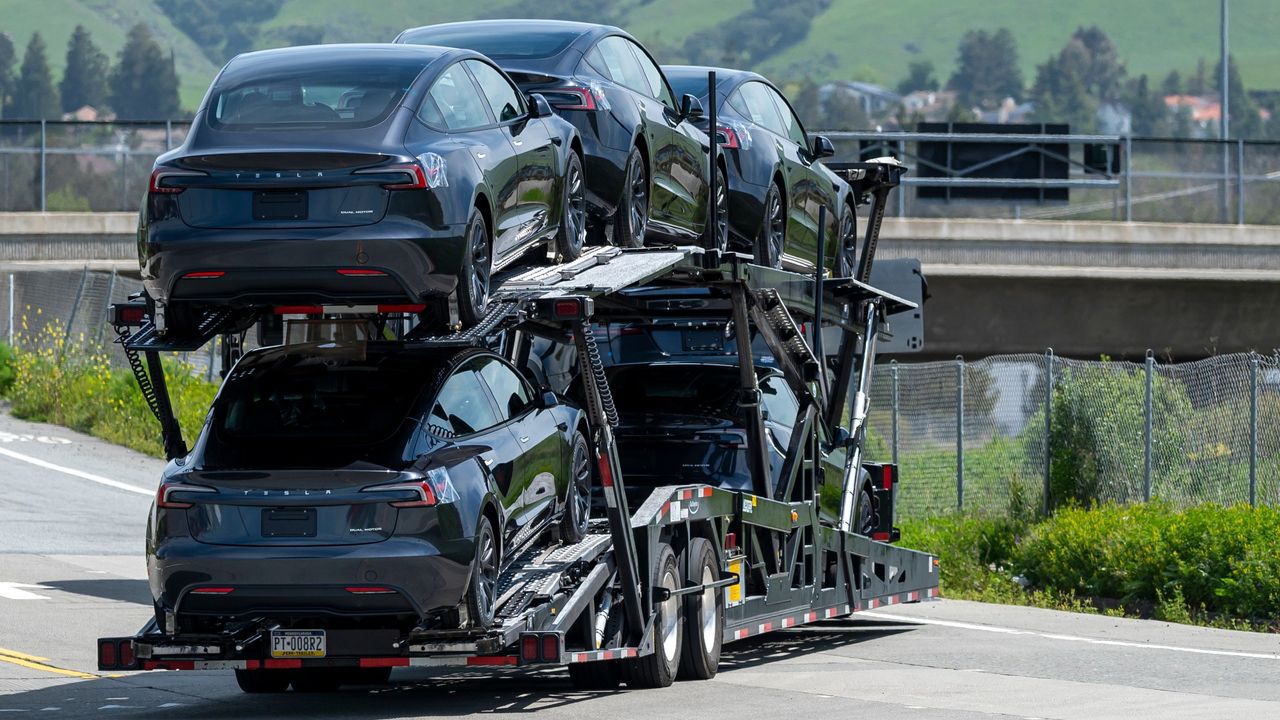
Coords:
pixel 1224 117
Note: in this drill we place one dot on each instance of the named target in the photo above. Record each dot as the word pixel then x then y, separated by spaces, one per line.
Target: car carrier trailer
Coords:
pixel 653 592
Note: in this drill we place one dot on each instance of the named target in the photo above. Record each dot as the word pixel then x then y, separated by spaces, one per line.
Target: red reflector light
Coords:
pixel 204 275
pixel 551 648
pixel 529 648
pixel 730 541
pixel 107 655
pixel 299 310
pixel 401 308
pixel 568 308
pixel 126 653
pixel 606 473
pixel 130 315
pixel 880 537
pixel 888 477
pixel 370 591
pixel 212 591
pixel 361 272
pixel 493 660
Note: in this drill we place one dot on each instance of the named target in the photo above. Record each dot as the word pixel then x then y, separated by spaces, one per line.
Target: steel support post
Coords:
pixel 959 433
pixel 44 145
pixel 1253 429
pixel 1239 182
pixel 1128 178
pixel 1048 429
pixel 1147 428
pixel 893 375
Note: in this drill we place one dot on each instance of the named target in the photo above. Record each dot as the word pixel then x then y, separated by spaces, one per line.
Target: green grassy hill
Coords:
pixel 851 39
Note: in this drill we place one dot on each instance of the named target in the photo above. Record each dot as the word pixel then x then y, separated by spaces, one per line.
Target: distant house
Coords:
pixel 1009 111
pixel 86 113
pixel 1114 119
pixel 931 104
pixel 874 99
pixel 1204 110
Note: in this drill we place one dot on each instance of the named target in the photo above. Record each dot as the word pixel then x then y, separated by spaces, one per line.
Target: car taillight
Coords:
pixel 577 97
pixel 436 488
pixel 733 136
pixel 213 591
pixel 414 178
pixel 370 590
pixel 168 489
pixel 162 178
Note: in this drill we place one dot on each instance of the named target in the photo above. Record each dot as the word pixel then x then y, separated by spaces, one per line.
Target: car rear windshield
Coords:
pixel 315 412
pixel 498 45
pixel 707 390
pixel 339 95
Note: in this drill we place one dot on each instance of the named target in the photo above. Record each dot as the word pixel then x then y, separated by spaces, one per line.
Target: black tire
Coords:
pixel 847 250
pixel 720 240
pixel 476 271
pixel 572 235
pixel 577 500
pixel 703 615
pixel 317 680
pixel 632 217
pixel 659 668
pixel 263 681
pixel 771 238
pixel 481 593
pixel 603 675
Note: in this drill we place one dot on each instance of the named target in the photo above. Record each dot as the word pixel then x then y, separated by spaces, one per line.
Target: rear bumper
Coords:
pixel 300 266
pixel 283 582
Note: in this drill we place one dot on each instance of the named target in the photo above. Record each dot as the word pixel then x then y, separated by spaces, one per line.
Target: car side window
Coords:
pixel 622 65
pixel 779 401
pixel 508 388
pixel 461 407
pixel 760 108
pixel 595 61
pixel 504 99
pixel 794 129
pixel 458 101
pixel 653 77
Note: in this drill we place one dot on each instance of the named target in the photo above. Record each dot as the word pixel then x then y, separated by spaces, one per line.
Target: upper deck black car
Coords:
pixel 776 182
pixel 357 174
pixel 383 490
pixel 646 162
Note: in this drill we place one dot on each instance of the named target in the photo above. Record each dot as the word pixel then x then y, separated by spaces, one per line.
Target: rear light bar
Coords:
pixel 213 591
pixel 161 174
pixel 436 488
pixel 370 590
pixel 204 275
pixel 361 272
pixel 577 97
pixel 414 176
pixel 167 489
pixel 128 314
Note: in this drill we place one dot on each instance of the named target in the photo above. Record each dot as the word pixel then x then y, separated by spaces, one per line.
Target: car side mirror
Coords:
pixel 691 108
pixel 822 147
pixel 841 439
pixel 547 399
pixel 539 107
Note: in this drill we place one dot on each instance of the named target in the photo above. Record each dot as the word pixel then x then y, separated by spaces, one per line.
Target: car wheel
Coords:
pixel 477 270
pixel 771 238
pixel 484 575
pixel 263 681
pixel 577 501
pixel 848 248
pixel 719 241
pixel 659 668
pixel 703 615
pixel 866 513
pixel 632 218
pixel 572 235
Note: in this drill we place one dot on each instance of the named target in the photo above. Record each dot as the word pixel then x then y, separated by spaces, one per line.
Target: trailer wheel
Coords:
pixel 263 681
pixel 703 615
pixel 577 500
pixel 659 668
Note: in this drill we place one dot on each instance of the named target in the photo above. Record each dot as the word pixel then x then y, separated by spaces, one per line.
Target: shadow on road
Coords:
pixel 124 590
pixel 412 692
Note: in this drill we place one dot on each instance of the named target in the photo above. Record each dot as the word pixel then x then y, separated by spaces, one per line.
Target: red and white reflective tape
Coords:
pixel 691 493
pixel 594 655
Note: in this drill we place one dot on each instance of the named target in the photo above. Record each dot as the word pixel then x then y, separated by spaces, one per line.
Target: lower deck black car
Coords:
pixel 384 488
pixel 357 174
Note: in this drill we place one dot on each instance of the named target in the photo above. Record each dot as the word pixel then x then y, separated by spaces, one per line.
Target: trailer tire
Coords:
pixel 577 499
pixel 263 681
pixel 703 615
pixel 659 668
pixel 601 675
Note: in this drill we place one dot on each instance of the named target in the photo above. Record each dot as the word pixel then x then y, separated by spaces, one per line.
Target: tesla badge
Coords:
pixel 434 167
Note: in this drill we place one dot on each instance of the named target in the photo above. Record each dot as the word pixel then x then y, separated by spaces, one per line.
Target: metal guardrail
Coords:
pixel 101 166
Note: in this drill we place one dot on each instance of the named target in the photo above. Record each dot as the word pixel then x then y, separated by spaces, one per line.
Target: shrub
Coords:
pixel 7 369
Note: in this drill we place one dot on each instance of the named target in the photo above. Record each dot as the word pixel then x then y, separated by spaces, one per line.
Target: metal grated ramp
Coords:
pixel 599 271
pixel 538 573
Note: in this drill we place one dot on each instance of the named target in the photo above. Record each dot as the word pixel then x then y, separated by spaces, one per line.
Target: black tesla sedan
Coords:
pixel 646 162
pixel 776 182
pixel 357 174
pixel 382 489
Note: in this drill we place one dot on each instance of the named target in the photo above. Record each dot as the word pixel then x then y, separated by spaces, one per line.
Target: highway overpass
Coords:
pixel 998 286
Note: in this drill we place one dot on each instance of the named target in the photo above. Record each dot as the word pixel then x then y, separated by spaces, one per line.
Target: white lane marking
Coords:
pixel 8 437
pixel 76 473
pixel 1069 638
pixel 10 591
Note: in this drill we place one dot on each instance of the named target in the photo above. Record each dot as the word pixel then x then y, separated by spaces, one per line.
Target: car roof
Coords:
pixel 577 30
pixel 429 358
pixel 726 78
pixel 302 57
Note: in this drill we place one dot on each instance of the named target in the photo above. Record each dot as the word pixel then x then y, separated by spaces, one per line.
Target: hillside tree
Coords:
pixel 8 55
pixel 1060 95
pixel 144 83
pixel 987 69
pixel 1244 119
pixel 84 82
pixel 1149 114
pixel 919 77
pixel 34 97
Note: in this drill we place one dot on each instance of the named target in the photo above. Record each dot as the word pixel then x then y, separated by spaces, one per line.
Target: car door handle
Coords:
pixel 517 143
pixel 524 439
pixel 562 426
pixel 557 141
pixel 488 461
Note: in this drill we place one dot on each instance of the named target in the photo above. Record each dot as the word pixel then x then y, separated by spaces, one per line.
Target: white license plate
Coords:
pixel 298 644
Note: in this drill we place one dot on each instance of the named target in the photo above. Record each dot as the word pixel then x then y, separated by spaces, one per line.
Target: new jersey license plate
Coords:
pixel 298 644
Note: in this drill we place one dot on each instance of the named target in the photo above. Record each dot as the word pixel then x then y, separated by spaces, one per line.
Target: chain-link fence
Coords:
pixel 976 435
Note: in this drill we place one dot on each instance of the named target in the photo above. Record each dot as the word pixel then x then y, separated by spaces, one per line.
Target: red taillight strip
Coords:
pixel 204 275
pixel 361 272
pixel 167 489
pixel 159 174
pixel 585 99
pixel 213 591
pixel 361 590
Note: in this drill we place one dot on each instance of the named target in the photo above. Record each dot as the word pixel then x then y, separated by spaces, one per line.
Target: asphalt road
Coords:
pixel 72 514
